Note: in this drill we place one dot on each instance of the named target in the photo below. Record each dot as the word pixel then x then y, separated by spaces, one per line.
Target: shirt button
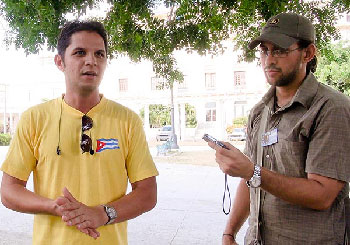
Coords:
pixel 267 156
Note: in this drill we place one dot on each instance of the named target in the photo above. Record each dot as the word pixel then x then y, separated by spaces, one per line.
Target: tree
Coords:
pixel 239 122
pixel 333 67
pixel 159 115
pixel 194 25
pixel 142 115
pixel 191 120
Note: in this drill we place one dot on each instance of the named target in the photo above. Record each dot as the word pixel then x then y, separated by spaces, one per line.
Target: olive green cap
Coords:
pixel 285 29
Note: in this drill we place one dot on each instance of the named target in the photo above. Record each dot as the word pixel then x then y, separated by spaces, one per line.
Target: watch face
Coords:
pixel 111 213
pixel 255 182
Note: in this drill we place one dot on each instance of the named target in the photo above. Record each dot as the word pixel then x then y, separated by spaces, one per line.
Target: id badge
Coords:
pixel 269 138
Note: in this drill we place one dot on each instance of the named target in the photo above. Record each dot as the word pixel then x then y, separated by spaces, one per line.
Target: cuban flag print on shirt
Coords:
pixel 107 144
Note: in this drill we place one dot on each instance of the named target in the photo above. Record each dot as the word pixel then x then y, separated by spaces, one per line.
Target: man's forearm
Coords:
pixel 240 209
pixel 18 198
pixel 141 199
pixel 315 192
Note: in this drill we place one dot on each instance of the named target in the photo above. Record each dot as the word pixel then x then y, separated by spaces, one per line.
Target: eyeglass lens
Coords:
pixel 85 143
pixel 86 123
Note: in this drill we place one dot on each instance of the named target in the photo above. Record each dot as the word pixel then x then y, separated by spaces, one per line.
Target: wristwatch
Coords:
pixel 111 214
pixel 255 180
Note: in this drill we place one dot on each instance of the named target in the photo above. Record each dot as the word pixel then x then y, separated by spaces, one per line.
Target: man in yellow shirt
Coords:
pixel 82 149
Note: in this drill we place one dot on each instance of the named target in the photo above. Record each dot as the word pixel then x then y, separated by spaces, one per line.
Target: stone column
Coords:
pixel 220 119
pixel 146 121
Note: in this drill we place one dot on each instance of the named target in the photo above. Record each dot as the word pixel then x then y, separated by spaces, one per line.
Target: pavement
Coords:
pixel 188 211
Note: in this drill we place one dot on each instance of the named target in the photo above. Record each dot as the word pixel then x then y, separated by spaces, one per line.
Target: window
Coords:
pixel 123 84
pixel 210 108
pixel 2 94
pixel 157 83
pixel 239 109
pixel 210 80
pixel 239 78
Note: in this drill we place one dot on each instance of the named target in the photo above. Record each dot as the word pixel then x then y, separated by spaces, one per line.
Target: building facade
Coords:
pixel 219 88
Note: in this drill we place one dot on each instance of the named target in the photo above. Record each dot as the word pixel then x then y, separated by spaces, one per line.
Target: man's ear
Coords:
pixel 59 62
pixel 310 52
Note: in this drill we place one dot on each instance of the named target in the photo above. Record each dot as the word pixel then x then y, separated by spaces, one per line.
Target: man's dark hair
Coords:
pixel 312 64
pixel 76 26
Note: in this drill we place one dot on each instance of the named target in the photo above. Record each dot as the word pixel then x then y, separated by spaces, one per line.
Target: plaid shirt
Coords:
pixel 313 137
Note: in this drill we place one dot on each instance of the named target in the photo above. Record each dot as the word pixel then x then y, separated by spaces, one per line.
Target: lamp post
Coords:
pixel 4 112
pixel 174 144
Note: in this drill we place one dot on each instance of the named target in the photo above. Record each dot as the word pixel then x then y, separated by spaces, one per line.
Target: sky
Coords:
pixel 34 77
pixel 31 78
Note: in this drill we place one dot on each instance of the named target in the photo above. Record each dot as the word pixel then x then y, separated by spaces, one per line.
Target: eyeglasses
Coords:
pixel 86 142
pixel 277 53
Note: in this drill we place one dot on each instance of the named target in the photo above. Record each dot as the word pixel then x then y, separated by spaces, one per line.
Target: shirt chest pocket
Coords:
pixel 290 158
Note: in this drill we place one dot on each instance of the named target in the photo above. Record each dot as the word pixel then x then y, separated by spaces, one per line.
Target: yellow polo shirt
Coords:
pixel 121 155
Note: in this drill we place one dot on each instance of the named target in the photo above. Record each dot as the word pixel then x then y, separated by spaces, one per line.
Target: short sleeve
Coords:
pixel 139 161
pixel 329 153
pixel 20 160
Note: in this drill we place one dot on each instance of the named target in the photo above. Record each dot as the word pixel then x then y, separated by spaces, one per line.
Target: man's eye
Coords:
pixel 100 54
pixel 277 52
pixel 280 52
pixel 79 52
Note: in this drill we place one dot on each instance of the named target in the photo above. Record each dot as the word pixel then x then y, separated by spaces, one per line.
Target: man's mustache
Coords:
pixel 272 67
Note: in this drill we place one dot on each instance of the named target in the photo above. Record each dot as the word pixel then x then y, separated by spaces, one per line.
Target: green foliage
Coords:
pixel 135 30
pixel 35 23
pixel 159 115
pixel 191 121
pixel 333 67
pixel 5 139
pixel 239 122
pixel 142 114
pixel 252 15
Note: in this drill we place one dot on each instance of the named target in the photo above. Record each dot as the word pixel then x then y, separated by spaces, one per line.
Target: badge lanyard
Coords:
pixel 259 156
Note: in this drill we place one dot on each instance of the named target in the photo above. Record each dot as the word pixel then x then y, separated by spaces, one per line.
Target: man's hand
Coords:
pixel 60 201
pixel 86 219
pixel 233 162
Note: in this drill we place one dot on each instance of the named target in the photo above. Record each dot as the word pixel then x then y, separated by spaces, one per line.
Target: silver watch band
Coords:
pixel 255 180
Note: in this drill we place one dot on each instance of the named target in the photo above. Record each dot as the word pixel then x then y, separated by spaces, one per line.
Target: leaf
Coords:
pixel 195 26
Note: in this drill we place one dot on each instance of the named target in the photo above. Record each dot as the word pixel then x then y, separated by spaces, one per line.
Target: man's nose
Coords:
pixel 270 59
pixel 91 60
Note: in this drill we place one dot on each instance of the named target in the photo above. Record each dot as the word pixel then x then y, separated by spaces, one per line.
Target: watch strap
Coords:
pixel 256 174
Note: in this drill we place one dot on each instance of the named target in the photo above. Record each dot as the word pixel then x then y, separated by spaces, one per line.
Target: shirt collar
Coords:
pixel 304 95
pixel 307 91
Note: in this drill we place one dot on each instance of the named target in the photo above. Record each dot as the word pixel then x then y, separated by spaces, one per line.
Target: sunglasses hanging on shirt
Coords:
pixel 86 142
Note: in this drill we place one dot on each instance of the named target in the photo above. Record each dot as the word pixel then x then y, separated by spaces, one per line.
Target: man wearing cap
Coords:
pixel 295 167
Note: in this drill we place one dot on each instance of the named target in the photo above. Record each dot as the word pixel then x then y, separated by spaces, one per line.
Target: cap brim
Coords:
pixel 278 39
